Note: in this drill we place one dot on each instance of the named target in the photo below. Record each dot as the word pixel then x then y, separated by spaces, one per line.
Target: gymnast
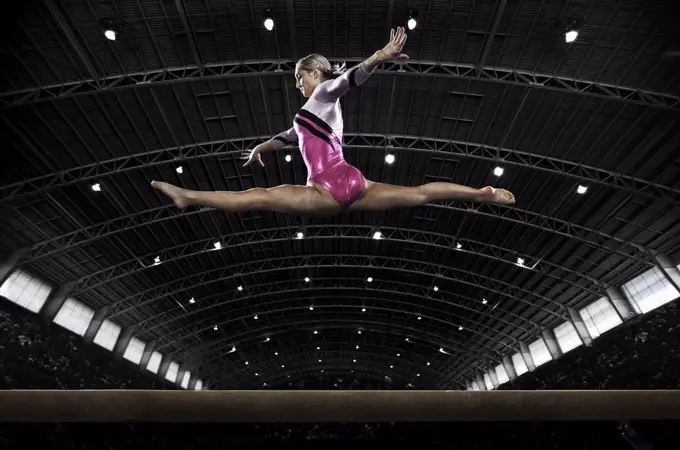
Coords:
pixel 333 185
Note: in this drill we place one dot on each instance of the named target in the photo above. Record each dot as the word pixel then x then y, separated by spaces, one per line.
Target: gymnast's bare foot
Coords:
pixel 176 194
pixel 489 194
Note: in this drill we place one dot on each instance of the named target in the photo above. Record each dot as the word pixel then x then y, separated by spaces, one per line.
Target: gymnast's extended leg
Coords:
pixel 380 196
pixel 308 200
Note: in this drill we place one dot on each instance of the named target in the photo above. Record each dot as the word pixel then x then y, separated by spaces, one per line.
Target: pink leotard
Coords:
pixel 318 127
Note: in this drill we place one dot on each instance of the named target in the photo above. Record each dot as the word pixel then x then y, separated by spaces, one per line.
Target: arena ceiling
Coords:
pixel 192 83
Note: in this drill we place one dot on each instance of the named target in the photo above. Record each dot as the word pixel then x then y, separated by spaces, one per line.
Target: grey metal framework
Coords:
pixel 238 69
pixel 188 86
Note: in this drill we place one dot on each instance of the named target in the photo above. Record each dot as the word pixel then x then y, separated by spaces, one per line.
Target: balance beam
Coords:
pixel 335 406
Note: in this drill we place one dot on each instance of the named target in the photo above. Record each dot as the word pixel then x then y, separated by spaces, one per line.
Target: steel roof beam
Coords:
pixel 189 73
pixel 444 147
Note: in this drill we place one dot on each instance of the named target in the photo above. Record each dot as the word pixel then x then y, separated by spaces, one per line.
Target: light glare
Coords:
pixel 269 23
pixel 110 35
pixel 498 171
pixel 570 36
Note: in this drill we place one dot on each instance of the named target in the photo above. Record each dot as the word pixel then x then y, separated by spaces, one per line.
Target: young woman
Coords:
pixel 333 185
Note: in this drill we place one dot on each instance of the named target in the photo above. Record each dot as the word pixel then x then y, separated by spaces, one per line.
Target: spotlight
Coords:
pixel 215 328
pixel 96 187
pixel 179 169
pixel 255 317
pixel 412 15
pixel 218 245
pixel 300 235
pixel 268 20
pixel 289 158
pixel 581 189
pixel 436 288
pixel 484 302
pixel 110 35
pixel 363 309
pixel 311 308
pixel 240 288
pixel 498 171
pixel 377 235
pixel 460 328
pixel 369 279
pixel 192 300
pixel 389 158
pixel 306 279
pixel 571 31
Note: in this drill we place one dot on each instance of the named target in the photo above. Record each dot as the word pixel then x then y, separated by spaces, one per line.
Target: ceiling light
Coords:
pixel 240 288
pixel 498 171
pixel 436 288
pixel 215 328
pixel 316 332
pixel 459 245
pixel 311 308
pixel 354 360
pixel 300 235
pixel 484 302
pixel 363 309
pixel 413 14
pixel 289 158
pixel 369 279
pixel 192 300
pixel 407 340
pixel 179 169
pixel 319 360
pixel 255 317
pixel 359 331
pixel 283 365
pixel 417 374
pixel 257 374
pixel 306 279
pixel 357 347
pixel 268 20
pixel 571 31
pixel 419 318
pixel 218 245
pixel 391 367
pixel 428 363
pixel 398 354
pixel 318 348
pixel 157 260
pixel 460 328
pixel 110 35
pixel 389 158
pixel 267 340
pixel 246 363
pixel 581 189
pixel 520 262
pixel 96 187
pixel 377 235
pixel 276 353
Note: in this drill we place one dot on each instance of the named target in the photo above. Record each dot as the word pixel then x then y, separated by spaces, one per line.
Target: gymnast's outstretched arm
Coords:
pixel 283 139
pixel 332 90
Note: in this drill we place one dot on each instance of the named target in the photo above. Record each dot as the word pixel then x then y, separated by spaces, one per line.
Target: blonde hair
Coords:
pixel 320 63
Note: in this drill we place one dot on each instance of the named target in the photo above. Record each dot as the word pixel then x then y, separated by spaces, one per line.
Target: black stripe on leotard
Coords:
pixel 313 130
pixel 316 120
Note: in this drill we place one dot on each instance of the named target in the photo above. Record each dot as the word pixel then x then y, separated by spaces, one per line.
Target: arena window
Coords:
pixel 171 374
pixel 650 290
pixel 567 337
pixel 199 385
pixel 502 374
pixel 74 316
pixel 487 382
pixel 135 350
pixel 519 364
pixel 539 352
pixel 185 380
pixel 25 290
pixel 600 316
pixel 107 335
pixel 154 362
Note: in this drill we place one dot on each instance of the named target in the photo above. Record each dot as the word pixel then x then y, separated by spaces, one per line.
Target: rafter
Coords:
pixel 237 69
pixel 443 147
pixel 286 305
pixel 390 234
pixel 405 265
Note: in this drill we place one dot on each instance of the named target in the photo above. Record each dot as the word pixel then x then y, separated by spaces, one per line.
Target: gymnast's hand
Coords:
pixel 393 48
pixel 253 155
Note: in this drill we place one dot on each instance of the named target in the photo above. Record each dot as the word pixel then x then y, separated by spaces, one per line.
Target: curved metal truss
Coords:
pixel 371 327
pixel 132 266
pixel 439 146
pixel 259 267
pixel 83 236
pixel 341 359
pixel 334 285
pixel 285 306
pixel 151 78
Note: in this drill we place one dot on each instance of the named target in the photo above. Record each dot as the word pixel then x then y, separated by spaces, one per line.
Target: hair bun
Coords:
pixel 339 69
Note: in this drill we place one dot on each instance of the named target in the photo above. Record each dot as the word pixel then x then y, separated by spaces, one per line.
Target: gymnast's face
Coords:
pixel 307 80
